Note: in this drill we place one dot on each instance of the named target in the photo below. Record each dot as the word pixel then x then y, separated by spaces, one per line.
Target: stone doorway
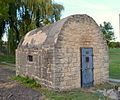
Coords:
pixel 87 67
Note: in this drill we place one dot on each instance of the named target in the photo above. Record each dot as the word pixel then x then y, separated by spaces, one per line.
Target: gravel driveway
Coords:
pixel 10 90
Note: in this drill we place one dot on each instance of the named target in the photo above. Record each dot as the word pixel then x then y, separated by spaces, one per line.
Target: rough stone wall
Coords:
pixel 40 68
pixel 79 32
pixel 58 63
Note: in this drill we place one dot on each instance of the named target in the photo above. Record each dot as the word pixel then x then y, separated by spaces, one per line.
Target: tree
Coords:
pixel 107 31
pixel 44 11
pixel 21 16
pixel 3 17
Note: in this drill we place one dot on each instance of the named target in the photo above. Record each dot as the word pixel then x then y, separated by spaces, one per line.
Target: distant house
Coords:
pixel 70 53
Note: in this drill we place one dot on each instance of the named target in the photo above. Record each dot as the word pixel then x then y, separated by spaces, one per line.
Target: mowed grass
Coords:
pixel 7 59
pixel 70 95
pixel 114 56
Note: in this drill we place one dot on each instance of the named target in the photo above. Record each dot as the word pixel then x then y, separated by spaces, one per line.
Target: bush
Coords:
pixel 114 44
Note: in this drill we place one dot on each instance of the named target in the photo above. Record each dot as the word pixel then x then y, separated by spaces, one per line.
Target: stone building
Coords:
pixel 70 53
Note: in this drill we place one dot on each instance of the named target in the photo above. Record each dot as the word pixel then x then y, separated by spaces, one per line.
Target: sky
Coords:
pixel 99 10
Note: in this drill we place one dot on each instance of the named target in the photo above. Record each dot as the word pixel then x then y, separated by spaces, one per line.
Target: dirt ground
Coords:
pixel 10 90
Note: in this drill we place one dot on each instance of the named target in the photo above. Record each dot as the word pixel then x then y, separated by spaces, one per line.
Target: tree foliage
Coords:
pixel 107 31
pixel 21 16
pixel 44 11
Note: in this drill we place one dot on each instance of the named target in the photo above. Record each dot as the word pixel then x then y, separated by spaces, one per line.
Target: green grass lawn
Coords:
pixel 70 95
pixel 114 56
pixel 7 59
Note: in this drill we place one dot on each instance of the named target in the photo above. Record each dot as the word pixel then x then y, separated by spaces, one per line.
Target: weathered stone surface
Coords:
pixel 57 57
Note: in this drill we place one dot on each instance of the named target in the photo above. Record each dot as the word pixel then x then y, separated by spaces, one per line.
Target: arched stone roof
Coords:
pixel 48 35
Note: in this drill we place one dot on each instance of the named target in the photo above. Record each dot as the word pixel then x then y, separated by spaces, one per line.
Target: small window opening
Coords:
pixel 87 52
pixel 30 58
pixel 87 59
